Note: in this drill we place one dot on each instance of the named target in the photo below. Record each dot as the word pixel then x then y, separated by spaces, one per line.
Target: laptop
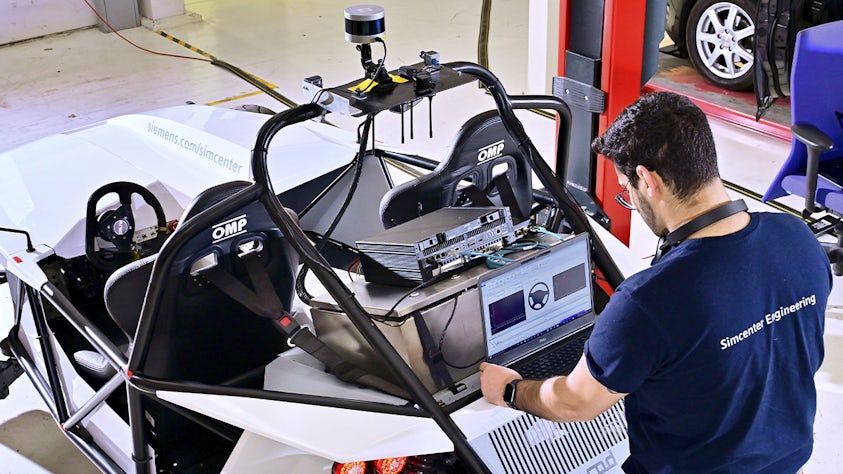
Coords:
pixel 537 314
pixel 538 311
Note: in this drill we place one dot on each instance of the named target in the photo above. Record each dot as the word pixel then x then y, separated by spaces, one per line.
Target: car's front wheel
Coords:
pixel 720 37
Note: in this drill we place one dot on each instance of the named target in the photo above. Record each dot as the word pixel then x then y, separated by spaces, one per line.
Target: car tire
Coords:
pixel 720 38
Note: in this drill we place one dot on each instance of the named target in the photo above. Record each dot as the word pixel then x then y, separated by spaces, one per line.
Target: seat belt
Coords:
pixel 432 354
pixel 478 198
pixel 264 302
pixel 473 194
pixel 508 197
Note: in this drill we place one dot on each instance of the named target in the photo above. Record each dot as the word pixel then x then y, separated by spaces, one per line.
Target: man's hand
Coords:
pixel 493 379
pixel 577 397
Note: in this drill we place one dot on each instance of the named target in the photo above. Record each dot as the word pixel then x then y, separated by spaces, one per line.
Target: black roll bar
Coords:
pixel 262 191
pixel 574 213
pixel 341 294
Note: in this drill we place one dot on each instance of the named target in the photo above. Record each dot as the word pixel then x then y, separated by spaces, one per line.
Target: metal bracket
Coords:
pixel 823 225
pixel 579 94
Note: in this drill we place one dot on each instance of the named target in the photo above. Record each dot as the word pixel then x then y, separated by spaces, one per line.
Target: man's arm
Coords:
pixel 577 397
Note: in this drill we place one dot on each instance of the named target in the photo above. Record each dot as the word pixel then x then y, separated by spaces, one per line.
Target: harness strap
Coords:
pixel 473 194
pixel 508 197
pixel 264 301
pixel 432 354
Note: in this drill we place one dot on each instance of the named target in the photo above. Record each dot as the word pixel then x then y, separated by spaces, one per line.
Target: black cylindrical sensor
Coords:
pixel 364 23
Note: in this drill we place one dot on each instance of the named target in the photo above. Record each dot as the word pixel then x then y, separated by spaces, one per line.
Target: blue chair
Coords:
pixel 814 169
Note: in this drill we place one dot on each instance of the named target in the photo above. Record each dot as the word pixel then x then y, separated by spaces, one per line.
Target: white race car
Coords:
pixel 188 291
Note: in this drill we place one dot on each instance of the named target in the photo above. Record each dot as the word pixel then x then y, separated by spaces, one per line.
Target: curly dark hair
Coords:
pixel 666 133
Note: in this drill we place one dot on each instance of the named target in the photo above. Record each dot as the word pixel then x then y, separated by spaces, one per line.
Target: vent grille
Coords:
pixel 532 445
pixel 396 261
pixel 460 238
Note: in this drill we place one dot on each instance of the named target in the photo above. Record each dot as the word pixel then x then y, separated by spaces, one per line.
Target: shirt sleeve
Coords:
pixel 624 348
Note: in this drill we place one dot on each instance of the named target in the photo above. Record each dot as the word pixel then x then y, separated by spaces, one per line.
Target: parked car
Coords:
pixel 718 38
pixel 726 39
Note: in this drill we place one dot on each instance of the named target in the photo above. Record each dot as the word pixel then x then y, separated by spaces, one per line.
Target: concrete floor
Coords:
pixel 65 81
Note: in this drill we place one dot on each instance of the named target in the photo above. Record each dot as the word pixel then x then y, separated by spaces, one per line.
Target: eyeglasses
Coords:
pixel 623 198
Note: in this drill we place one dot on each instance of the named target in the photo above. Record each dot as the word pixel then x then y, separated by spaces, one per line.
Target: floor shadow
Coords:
pixel 35 436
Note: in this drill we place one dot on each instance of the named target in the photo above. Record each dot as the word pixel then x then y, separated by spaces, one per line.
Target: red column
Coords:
pixel 623 46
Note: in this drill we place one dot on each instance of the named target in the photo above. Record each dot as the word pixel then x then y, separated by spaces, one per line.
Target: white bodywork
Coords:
pixel 176 153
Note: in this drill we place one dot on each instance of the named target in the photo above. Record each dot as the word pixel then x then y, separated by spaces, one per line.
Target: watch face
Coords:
pixel 509 393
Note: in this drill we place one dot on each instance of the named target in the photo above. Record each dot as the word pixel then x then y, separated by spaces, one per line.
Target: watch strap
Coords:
pixel 509 392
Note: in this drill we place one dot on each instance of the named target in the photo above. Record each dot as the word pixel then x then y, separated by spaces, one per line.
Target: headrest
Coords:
pixel 211 196
pixel 481 150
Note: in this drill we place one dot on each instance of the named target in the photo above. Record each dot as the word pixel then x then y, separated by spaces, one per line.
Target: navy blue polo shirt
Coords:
pixel 717 345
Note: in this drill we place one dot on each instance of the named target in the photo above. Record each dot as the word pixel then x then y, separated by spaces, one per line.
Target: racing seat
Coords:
pixel 484 168
pixel 814 168
pixel 124 293
pixel 199 333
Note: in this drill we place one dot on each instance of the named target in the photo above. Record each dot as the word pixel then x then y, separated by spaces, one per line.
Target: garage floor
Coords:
pixel 65 81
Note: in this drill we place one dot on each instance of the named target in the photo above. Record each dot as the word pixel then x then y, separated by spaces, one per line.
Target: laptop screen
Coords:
pixel 537 300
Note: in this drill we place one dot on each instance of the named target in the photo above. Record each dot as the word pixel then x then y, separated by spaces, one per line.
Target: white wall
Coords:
pixel 25 19
pixel 157 9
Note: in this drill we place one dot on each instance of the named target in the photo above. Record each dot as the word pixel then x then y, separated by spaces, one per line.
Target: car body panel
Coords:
pixel 175 152
pixel 178 153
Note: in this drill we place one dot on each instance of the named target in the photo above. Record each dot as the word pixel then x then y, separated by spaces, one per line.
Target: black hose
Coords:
pixel 255 82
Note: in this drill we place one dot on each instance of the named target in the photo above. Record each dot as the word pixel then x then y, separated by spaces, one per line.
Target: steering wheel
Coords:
pixel 117 226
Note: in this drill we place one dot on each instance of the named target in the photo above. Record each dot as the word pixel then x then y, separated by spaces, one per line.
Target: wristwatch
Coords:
pixel 509 393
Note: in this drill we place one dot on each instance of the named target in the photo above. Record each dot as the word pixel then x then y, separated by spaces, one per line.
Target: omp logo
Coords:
pixel 229 228
pixel 604 465
pixel 490 151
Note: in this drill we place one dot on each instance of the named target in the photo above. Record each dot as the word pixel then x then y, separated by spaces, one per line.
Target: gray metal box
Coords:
pixel 451 307
pixel 121 14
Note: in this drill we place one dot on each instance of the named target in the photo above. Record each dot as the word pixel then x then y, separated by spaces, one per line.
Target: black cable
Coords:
pixel 441 345
pixel 301 289
pixel 387 319
pixel 378 69
pixel 255 82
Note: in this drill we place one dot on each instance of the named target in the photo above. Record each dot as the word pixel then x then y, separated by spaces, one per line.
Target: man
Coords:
pixel 715 346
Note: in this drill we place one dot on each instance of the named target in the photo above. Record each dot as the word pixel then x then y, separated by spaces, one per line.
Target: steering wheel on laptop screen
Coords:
pixel 117 226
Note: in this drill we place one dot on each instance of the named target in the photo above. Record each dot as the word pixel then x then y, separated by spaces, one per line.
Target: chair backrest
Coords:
pixel 199 333
pixel 481 150
pixel 816 97
pixel 124 293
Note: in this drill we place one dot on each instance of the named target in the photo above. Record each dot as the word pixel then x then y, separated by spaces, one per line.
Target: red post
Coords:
pixel 623 48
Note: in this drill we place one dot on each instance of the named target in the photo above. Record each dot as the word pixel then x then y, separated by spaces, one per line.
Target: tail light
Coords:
pixel 381 466
pixel 390 465
pixel 356 467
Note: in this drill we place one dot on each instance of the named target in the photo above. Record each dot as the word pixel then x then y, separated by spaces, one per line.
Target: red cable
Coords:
pixel 106 23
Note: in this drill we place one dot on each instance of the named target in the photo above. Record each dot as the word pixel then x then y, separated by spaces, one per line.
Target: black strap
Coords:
pixel 334 363
pixel 473 194
pixel 432 354
pixel 508 198
pixel 696 224
pixel 478 198
pixel 264 302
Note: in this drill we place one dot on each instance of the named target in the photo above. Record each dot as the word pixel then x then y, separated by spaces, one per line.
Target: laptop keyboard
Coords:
pixel 559 361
